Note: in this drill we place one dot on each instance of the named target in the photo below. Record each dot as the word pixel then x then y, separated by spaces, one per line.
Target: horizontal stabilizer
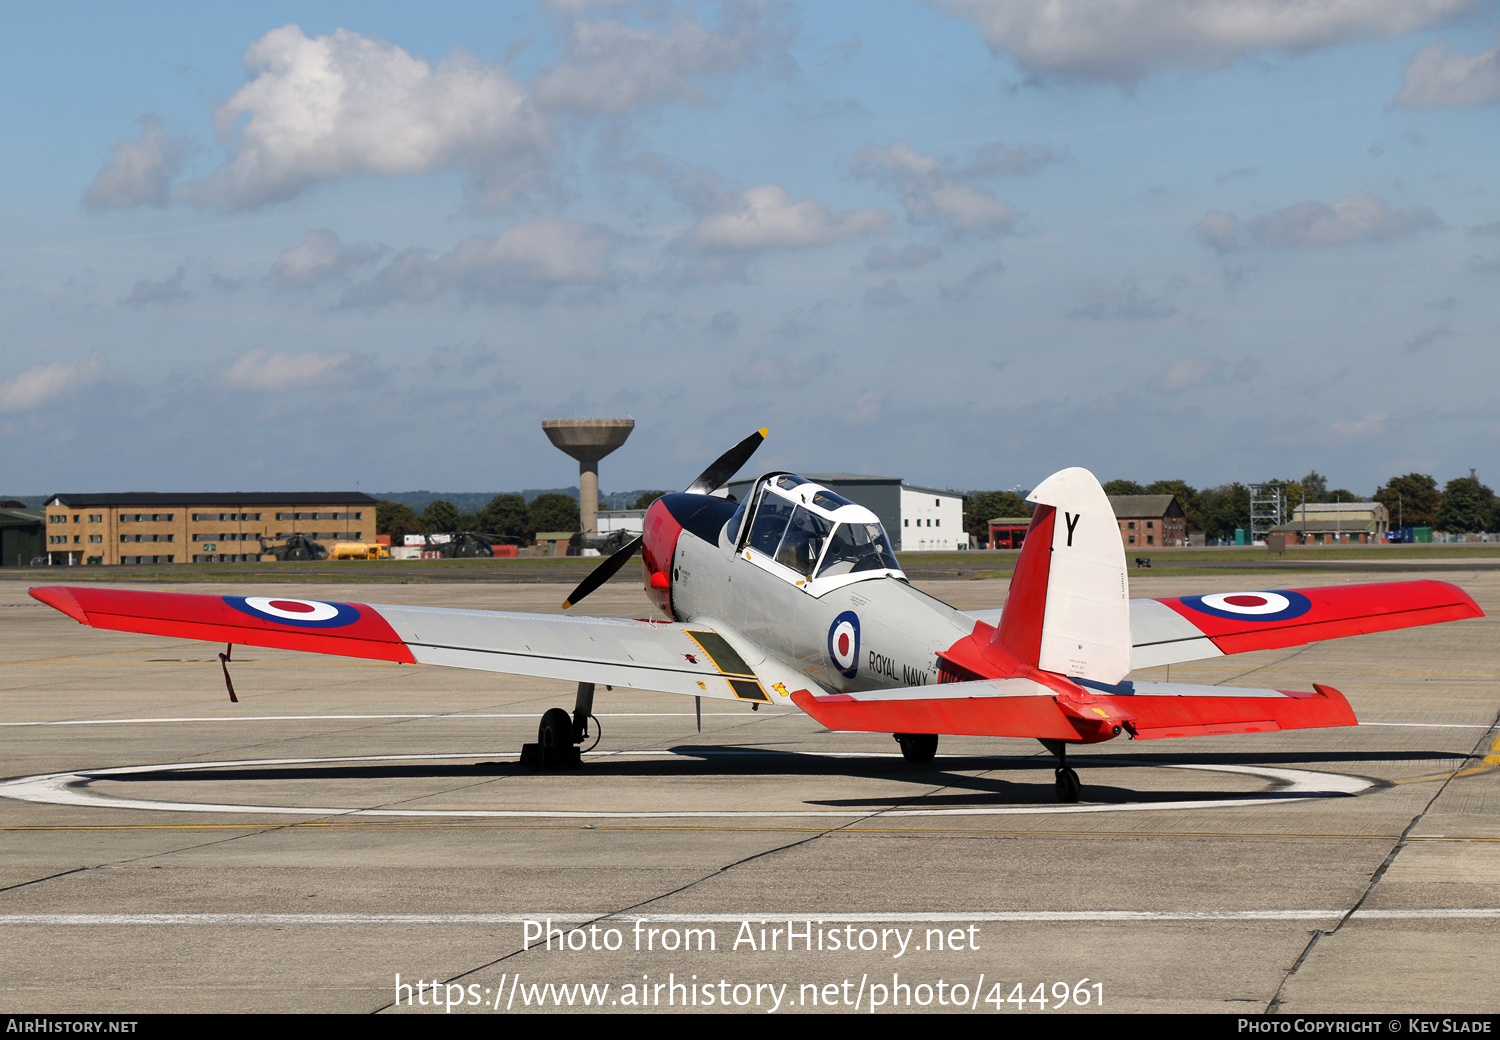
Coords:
pixel 1023 708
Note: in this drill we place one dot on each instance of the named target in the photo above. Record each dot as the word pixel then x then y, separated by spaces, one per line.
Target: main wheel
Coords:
pixel 1068 787
pixel 556 731
pixel 917 748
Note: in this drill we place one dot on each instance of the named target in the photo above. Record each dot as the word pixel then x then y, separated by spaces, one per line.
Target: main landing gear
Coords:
pixel 560 734
pixel 1068 787
pixel 917 748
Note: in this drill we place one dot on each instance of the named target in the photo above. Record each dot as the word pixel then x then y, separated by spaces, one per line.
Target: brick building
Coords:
pixel 155 527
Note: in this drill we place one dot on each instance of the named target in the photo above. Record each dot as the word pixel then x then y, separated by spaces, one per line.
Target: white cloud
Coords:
pixel 42 384
pixel 781 372
pixel 1372 425
pixel 913 256
pixel 1123 40
pixel 1126 303
pixel 257 369
pixel 1219 231
pixel 319 257
pixel 998 159
pixel 139 172
pixel 931 194
pixel 526 263
pixel 1439 76
pixel 766 217
pixel 165 293
pixel 1359 218
pixel 346 105
pixel 1191 373
pixel 612 67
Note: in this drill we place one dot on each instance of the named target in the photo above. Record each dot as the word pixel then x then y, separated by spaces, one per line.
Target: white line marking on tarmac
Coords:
pixel 73 788
pixel 430 715
pixel 978 917
pixel 528 715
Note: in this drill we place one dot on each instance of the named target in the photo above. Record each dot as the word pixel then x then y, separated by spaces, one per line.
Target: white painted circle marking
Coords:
pixel 72 788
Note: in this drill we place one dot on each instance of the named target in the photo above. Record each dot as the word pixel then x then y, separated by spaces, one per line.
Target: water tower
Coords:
pixel 588 441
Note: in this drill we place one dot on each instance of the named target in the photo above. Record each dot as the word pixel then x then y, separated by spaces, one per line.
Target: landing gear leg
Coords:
pixel 1068 786
pixel 558 736
pixel 917 748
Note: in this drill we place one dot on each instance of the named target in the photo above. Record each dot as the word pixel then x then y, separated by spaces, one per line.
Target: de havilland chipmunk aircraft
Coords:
pixel 794 596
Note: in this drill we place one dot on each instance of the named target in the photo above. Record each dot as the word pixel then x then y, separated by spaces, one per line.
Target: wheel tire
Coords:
pixel 556 731
pixel 918 748
pixel 1068 787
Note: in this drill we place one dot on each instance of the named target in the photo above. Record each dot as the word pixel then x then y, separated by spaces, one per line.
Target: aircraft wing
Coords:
pixel 1025 708
pixel 1173 629
pixel 698 660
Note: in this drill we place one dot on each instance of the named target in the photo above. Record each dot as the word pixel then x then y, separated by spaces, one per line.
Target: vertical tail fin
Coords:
pixel 1069 605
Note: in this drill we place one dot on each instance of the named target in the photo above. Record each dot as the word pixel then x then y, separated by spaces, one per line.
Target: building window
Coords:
pixel 1150 525
pixel 96 518
pixel 96 538
pixel 906 523
pixel 1132 539
pixel 1151 539
pixel 77 538
pixel 1130 527
pixel 57 519
pixel 940 521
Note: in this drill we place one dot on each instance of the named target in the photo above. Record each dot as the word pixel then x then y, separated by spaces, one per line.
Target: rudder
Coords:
pixel 1068 610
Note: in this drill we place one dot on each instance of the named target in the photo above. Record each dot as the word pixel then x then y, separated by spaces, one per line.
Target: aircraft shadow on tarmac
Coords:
pixel 952 773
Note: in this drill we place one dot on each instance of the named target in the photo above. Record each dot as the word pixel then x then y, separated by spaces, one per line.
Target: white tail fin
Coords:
pixel 1085 623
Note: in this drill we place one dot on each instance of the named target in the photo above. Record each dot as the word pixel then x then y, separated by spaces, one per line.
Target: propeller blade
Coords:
pixel 725 466
pixel 602 573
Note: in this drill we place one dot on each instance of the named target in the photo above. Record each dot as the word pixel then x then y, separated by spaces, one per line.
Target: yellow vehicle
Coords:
pixel 359 551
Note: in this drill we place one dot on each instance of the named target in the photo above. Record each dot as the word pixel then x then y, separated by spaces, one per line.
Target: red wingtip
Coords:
pixel 60 599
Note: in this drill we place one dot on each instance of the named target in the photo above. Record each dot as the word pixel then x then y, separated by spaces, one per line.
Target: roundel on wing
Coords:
pixel 1282 605
pixel 304 613
pixel 843 643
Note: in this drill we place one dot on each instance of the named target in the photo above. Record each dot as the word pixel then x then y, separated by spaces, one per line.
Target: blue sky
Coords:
pixel 284 246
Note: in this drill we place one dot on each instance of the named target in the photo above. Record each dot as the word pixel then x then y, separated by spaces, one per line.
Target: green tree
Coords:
pixel 1187 498
pixel 553 513
pixel 1314 487
pixel 983 507
pixel 1225 508
pixel 440 516
pixel 1467 506
pixel 396 520
pixel 1411 500
pixel 507 515
pixel 646 499
pixel 1123 487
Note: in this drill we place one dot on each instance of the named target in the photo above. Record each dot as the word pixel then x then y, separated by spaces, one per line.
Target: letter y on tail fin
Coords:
pixel 1069 605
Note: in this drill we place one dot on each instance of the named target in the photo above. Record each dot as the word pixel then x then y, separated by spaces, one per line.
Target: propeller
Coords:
pixel 709 481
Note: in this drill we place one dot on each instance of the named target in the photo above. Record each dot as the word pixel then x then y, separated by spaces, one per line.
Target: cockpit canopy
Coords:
pixel 815 532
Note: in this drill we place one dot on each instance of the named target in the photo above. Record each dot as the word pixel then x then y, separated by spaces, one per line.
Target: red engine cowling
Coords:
pixel 658 546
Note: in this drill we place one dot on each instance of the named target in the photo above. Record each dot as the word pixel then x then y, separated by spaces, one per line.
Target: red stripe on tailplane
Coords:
pixel 1160 717
pixel 213 619
pixel 1334 611
pixel 1020 631
pixel 1036 716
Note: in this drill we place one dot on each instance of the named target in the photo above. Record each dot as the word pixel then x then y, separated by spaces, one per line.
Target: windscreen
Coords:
pixel 858 547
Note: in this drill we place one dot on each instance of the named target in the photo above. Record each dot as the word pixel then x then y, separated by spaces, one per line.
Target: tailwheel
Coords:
pixel 917 748
pixel 1068 787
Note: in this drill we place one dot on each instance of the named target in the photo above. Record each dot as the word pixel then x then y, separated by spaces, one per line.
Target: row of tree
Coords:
pixel 1463 505
pixel 508 517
